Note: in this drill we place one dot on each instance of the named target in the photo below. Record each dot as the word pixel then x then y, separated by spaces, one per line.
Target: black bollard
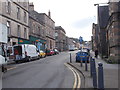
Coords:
pixel 94 73
pixel 86 67
pixel 91 66
pixel 100 76
pixel 81 61
pixel 70 58
pixel 3 68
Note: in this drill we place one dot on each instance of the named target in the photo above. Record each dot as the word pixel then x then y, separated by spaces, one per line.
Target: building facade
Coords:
pixel 49 29
pixel 14 15
pixel 37 34
pixel 113 32
pixel 60 36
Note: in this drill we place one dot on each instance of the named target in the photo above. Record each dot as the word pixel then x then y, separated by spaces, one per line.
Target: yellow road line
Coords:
pixel 75 75
pixel 79 80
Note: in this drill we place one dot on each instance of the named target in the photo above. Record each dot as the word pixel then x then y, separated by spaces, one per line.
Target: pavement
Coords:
pixel 111 74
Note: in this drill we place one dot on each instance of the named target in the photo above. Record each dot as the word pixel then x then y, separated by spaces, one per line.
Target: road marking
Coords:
pixel 75 81
pixel 79 80
pixel 76 76
pixel 11 68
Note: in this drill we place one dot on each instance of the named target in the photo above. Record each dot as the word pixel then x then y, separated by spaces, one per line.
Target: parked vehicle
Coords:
pixel 56 51
pixel 71 47
pixel 42 54
pixel 52 52
pixel 3 46
pixel 49 52
pixel 25 52
pixel 82 55
pixel 10 53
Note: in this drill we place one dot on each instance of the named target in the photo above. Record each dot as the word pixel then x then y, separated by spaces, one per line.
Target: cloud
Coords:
pixel 83 23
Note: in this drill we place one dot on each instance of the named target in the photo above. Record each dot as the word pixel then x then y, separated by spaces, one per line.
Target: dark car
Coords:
pixel 82 55
pixel 56 51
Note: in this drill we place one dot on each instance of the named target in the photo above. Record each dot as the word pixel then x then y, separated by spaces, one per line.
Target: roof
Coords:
pixel 44 14
pixel 60 28
pixel 35 15
pixel 103 16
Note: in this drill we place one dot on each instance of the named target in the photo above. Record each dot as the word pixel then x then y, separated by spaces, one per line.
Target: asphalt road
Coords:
pixel 49 72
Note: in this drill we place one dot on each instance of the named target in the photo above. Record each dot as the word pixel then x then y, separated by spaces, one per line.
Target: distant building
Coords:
pixel 14 15
pixel 60 38
pixel 37 32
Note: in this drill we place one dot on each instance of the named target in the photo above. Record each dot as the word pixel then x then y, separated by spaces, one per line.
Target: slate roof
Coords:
pixel 60 28
pixel 35 15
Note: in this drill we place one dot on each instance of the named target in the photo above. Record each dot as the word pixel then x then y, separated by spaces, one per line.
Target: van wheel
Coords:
pixel 28 59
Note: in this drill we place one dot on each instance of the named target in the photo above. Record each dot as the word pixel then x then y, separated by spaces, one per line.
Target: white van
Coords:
pixel 2 56
pixel 25 52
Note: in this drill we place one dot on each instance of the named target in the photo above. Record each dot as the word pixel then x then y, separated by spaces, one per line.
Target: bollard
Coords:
pixel 86 68
pixel 70 58
pixel 94 73
pixel 100 76
pixel 91 66
pixel 81 61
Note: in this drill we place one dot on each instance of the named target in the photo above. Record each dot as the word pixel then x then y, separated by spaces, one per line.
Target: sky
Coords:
pixel 75 16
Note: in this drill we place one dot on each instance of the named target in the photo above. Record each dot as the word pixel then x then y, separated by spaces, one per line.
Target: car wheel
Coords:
pixel 16 62
pixel 39 57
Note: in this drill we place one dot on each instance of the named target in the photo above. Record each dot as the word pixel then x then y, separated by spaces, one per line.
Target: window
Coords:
pixel 25 17
pixel 18 33
pixel 18 13
pixel 25 33
pixel 33 28
pixel 8 27
pixel 39 30
pixel 56 34
pixel 8 7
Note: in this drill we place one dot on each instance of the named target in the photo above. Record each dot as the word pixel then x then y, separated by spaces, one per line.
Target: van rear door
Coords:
pixel 17 51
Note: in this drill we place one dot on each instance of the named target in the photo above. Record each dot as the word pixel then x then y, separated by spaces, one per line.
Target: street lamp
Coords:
pixel 97 4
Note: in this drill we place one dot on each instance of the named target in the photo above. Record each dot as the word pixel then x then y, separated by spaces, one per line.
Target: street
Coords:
pixel 49 72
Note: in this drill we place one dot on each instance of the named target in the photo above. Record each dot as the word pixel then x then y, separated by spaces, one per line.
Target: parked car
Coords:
pixel 82 55
pixel 25 52
pixel 52 52
pixel 42 54
pixel 56 51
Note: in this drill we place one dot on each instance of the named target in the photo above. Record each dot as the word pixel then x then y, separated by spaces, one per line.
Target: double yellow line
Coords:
pixel 77 80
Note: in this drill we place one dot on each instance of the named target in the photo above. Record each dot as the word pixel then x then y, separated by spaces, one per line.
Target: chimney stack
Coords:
pixel 49 14
pixel 31 7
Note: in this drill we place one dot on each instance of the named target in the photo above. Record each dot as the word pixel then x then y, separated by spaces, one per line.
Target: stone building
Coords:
pixel 14 15
pixel 49 29
pixel 113 32
pixel 37 34
pixel 60 36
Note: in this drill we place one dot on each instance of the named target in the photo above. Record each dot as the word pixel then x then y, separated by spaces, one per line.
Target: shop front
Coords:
pixel 40 43
pixel 23 41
